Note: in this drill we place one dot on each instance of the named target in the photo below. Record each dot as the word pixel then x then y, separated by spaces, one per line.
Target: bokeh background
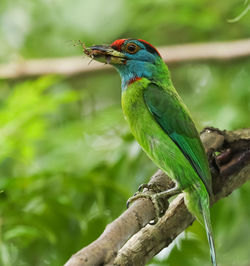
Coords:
pixel 68 162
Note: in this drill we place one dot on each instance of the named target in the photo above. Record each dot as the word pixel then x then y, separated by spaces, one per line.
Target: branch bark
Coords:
pixel 171 54
pixel 130 241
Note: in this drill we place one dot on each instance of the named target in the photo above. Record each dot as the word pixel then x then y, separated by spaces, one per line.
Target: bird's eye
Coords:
pixel 132 48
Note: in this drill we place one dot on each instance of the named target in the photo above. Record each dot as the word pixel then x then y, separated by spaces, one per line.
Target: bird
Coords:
pixel 161 123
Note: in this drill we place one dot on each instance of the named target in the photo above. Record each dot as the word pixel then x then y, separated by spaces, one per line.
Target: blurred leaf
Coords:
pixel 68 161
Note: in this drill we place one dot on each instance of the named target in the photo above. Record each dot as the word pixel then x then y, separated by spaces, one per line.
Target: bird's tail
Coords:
pixel 202 214
pixel 208 227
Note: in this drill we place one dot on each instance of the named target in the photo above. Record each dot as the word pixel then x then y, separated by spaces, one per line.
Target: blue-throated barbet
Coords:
pixel 161 123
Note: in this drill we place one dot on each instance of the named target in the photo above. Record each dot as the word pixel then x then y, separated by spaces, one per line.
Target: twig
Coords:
pixel 230 169
pixel 171 54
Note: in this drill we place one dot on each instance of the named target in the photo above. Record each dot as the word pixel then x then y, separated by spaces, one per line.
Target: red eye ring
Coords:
pixel 132 48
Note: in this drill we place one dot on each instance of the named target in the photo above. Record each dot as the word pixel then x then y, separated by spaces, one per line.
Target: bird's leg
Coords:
pixel 169 193
pixel 156 198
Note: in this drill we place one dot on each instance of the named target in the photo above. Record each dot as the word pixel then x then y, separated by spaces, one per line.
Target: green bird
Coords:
pixel 161 123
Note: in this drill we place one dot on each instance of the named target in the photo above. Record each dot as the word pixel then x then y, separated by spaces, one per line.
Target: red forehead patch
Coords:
pixel 117 44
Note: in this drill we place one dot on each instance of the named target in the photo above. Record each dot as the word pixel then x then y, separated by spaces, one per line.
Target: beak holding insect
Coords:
pixel 105 54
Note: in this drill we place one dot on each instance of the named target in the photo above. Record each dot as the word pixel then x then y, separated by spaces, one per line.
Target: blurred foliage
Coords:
pixel 26 31
pixel 68 162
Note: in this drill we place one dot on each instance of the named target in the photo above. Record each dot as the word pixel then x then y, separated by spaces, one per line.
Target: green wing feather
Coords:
pixel 172 115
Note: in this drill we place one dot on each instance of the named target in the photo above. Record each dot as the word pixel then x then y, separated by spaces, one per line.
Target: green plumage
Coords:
pixel 172 115
pixel 161 123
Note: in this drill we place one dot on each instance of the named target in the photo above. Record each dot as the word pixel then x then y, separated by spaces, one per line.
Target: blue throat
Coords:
pixel 138 69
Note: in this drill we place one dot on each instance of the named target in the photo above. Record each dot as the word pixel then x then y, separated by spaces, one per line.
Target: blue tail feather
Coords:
pixel 207 222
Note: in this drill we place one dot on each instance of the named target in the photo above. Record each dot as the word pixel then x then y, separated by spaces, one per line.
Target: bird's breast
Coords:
pixel 142 124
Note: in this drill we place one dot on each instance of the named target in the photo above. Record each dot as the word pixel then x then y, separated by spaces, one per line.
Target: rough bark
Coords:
pixel 171 54
pixel 129 240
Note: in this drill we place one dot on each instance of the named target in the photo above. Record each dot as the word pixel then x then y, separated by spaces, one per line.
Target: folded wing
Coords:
pixel 172 115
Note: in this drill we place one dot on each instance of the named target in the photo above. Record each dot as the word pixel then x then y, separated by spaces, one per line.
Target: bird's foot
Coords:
pixel 159 200
pixel 159 205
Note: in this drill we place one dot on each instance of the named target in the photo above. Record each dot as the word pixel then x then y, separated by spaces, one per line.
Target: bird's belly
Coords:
pixel 155 142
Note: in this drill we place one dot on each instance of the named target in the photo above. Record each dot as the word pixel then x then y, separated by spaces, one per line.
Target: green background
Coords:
pixel 68 162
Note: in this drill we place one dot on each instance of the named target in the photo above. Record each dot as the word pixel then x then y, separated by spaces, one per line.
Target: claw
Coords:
pixel 128 203
pixel 142 186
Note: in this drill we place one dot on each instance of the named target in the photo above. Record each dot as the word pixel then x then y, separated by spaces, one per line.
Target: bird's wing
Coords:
pixel 172 115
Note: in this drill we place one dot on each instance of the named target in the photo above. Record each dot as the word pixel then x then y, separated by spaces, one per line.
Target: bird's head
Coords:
pixel 133 58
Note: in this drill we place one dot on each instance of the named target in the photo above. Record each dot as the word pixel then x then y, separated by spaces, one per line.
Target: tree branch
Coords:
pixel 128 241
pixel 171 54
